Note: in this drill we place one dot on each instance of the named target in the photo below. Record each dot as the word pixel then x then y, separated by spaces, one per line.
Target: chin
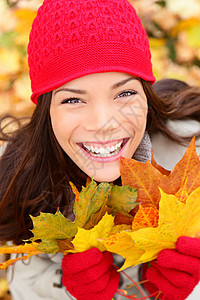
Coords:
pixel 105 177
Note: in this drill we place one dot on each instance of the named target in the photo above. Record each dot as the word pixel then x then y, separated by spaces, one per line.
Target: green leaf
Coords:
pixel 90 201
pixel 52 227
pixel 122 198
pixel 96 217
pixel 48 247
pixel 90 208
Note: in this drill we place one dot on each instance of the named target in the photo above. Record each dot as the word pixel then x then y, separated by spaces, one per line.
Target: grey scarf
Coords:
pixel 143 152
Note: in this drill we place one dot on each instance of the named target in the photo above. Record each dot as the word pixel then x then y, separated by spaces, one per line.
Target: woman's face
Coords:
pixel 98 118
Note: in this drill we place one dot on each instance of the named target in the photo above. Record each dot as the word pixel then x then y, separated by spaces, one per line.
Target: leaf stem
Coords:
pixel 134 283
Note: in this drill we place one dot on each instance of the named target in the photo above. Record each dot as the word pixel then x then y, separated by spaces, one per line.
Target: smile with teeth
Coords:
pixel 103 151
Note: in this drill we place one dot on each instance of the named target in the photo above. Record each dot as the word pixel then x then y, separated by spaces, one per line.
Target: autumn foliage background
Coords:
pixel 173 28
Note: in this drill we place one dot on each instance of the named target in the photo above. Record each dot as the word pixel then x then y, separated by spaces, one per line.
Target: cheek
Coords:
pixel 62 125
pixel 135 114
pixel 143 116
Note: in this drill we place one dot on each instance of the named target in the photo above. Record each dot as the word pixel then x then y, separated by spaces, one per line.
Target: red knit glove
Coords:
pixel 90 275
pixel 175 272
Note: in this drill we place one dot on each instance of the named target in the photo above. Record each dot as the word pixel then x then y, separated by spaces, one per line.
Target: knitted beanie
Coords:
pixel 73 38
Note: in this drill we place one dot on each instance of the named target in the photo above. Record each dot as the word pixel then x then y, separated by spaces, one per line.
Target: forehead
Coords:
pixel 107 79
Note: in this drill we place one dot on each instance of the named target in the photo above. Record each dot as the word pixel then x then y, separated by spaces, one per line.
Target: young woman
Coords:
pixel 91 76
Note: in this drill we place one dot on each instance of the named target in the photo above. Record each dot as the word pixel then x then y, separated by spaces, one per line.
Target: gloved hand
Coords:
pixel 90 275
pixel 175 272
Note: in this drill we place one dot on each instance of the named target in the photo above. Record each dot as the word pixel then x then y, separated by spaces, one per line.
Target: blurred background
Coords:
pixel 173 28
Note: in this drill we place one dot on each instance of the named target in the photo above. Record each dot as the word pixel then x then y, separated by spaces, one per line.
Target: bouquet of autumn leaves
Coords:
pixel 147 214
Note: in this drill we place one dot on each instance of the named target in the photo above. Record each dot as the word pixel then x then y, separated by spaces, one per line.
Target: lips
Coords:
pixel 104 149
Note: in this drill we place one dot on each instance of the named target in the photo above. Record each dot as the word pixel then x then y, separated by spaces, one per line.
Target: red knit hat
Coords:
pixel 73 38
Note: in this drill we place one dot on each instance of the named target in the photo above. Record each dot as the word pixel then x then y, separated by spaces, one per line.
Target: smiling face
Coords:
pixel 98 118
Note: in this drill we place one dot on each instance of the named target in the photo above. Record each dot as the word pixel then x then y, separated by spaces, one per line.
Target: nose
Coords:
pixel 101 119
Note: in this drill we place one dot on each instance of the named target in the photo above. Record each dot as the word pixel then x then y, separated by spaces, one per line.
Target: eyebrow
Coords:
pixel 118 84
pixel 77 91
pixel 71 90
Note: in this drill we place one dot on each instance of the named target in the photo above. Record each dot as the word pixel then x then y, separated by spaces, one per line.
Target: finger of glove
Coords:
pixel 170 291
pixel 178 278
pixel 149 286
pixel 189 246
pixel 106 291
pixel 173 259
pixel 94 272
pixel 92 286
pixel 100 286
pixel 78 262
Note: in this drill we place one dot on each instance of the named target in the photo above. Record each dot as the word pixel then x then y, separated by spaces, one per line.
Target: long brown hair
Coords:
pixel 181 102
pixel 34 175
pixel 35 171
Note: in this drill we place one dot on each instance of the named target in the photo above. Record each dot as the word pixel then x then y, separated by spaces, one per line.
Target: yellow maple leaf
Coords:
pixel 86 239
pixel 189 217
pixel 175 219
pixel 125 247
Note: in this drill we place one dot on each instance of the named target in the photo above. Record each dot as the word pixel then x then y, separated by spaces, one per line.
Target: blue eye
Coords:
pixel 71 101
pixel 127 93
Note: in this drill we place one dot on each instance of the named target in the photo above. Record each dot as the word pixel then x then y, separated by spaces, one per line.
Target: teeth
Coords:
pixel 87 147
pixel 115 147
pixel 104 152
pixel 101 151
pixel 107 150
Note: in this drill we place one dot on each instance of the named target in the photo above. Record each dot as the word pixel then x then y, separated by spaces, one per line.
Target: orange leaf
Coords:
pixel 75 191
pixel 29 249
pixel 182 194
pixel 147 177
pixel 10 262
pixel 88 181
pixel 188 168
pixel 146 217
pixel 26 248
